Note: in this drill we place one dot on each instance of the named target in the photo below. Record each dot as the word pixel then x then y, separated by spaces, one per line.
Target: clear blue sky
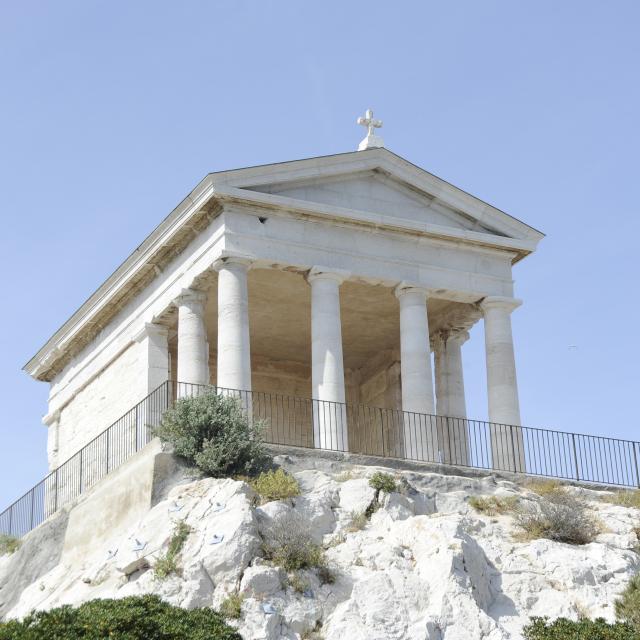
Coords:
pixel 110 112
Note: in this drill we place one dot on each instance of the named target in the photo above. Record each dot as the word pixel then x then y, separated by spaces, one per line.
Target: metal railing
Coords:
pixel 354 428
pixel 90 464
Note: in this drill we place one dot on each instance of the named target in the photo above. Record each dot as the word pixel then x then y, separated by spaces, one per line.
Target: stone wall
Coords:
pixel 102 401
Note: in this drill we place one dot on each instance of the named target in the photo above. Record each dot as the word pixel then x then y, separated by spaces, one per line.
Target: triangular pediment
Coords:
pixel 380 186
pixel 375 192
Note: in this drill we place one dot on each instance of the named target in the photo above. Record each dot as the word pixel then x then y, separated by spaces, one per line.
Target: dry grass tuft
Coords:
pixel 494 505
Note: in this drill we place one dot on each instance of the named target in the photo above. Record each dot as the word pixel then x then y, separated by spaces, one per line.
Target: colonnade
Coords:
pixel 419 404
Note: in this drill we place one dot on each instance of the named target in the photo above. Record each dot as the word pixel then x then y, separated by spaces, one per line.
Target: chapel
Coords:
pixel 333 294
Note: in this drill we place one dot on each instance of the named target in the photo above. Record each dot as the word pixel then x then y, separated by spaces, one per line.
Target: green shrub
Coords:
pixel 276 485
pixel 231 607
pixel 133 618
pixel 383 482
pixel 564 629
pixel 559 516
pixel 168 563
pixel 289 544
pixel 493 505
pixel 8 544
pixel 628 605
pixel 213 433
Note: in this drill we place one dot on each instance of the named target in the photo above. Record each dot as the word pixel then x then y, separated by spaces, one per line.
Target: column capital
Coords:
pixel 327 273
pixel 189 296
pixel 151 329
pixel 406 287
pixel 500 302
pixel 227 260
pixel 458 335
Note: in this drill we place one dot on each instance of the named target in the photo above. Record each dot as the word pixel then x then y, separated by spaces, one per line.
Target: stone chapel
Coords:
pixel 329 279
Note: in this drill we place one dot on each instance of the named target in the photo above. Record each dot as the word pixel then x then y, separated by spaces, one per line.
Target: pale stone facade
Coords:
pixel 331 278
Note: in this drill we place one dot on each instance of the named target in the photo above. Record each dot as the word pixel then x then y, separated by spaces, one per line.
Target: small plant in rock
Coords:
pixel 384 482
pixel 564 629
pixel 8 544
pixel 559 516
pixel 543 486
pixel 213 433
pixel 628 605
pixel 357 522
pixel 276 485
pixel 326 575
pixel 345 475
pixel 231 607
pixel 297 582
pixel 493 505
pixel 168 563
pixel 625 498
pixel 289 544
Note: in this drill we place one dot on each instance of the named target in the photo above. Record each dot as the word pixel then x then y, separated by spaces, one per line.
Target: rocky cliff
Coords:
pixel 424 565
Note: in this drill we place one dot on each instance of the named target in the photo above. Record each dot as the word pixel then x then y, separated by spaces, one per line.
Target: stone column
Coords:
pixel 327 367
pixel 193 346
pixel 453 439
pixel 234 349
pixel 154 360
pixel 504 407
pixel 420 437
pixel 154 357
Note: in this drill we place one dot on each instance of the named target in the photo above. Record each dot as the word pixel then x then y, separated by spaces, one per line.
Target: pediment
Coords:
pixel 375 192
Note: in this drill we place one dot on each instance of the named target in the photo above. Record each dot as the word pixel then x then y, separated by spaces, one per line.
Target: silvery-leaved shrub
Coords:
pixel 559 516
pixel 214 433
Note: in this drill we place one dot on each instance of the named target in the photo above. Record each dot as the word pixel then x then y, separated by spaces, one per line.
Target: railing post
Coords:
pixel 575 455
pixel 513 449
pixel 55 493
pixel 80 475
pixel 11 519
pixel 33 499
pixel 635 460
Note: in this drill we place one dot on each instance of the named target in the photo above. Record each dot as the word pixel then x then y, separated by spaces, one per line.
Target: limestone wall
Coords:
pixel 101 402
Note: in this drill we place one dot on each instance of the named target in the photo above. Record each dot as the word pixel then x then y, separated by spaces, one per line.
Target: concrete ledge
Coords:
pixel 426 467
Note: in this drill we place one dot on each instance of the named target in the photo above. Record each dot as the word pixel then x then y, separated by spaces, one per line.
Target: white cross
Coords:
pixel 371 141
pixel 369 122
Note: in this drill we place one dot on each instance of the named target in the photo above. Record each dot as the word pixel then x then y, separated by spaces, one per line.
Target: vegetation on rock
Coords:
pixel 624 498
pixel 8 544
pixel 383 482
pixel 276 485
pixel 133 618
pixel 231 607
pixel 213 433
pixel 168 563
pixel 493 505
pixel 564 629
pixel 289 544
pixel 628 605
pixel 559 516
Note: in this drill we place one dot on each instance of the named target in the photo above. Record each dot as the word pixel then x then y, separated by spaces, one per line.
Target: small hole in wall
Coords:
pixel 263 220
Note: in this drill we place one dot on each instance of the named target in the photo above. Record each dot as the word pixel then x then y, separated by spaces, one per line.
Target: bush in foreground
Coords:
pixel 213 433
pixel 133 618
pixel 559 516
pixel 276 485
pixel 564 629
